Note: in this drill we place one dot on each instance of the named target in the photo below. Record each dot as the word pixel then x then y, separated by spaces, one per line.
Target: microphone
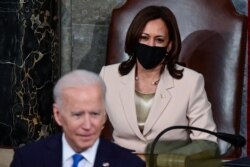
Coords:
pixel 235 140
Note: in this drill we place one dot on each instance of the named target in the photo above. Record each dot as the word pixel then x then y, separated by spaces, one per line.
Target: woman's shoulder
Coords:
pixel 108 71
pixel 111 67
pixel 188 72
pixel 189 79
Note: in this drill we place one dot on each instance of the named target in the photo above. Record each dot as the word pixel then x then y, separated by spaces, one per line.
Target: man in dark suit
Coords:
pixel 79 109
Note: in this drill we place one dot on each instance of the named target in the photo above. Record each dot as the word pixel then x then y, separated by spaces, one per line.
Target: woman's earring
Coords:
pixel 130 59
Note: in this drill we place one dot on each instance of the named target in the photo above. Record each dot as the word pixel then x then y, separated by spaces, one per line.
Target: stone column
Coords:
pixel 29 65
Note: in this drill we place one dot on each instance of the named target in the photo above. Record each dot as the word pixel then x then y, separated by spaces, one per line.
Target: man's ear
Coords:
pixel 57 114
pixel 105 119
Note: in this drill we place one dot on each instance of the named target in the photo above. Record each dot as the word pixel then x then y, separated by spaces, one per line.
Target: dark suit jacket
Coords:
pixel 48 153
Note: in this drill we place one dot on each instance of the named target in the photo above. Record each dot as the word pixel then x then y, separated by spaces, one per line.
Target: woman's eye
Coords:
pixel 160 40
pixel 143 38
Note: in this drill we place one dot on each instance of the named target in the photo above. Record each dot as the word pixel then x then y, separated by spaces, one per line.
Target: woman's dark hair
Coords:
pixel 134 33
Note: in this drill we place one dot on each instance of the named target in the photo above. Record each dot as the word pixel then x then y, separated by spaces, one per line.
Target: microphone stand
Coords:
pixel 236 140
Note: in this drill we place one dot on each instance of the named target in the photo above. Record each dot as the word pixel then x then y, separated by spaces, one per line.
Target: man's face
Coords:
pixel 82 116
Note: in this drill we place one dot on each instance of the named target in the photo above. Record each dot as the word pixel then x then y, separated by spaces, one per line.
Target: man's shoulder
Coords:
pixel 41 153
pixel 120 154
pixel 47 142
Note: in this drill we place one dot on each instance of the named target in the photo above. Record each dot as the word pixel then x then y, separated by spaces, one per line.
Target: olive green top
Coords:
pixel 143 103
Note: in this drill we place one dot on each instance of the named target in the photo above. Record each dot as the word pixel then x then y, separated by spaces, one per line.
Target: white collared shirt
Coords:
pixel 89 154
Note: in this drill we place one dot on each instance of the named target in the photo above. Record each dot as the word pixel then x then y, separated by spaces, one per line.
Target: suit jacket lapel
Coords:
pixel 103 154
pixel 127 93
pixel 161 100
pixel 53 152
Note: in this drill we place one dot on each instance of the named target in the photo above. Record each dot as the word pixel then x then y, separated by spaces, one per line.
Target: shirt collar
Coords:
pixel 88 154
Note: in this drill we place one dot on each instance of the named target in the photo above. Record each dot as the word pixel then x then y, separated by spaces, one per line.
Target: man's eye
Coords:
pixel 95 113
pixel 77 114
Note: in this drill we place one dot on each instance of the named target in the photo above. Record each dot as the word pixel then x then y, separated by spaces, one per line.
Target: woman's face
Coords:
pixel 155 33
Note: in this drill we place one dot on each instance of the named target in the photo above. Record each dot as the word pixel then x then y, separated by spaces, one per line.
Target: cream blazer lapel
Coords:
pixel 161 99
pixel 127 95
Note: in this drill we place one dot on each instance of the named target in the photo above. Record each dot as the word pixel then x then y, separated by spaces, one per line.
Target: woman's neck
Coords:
pixel 146 81
pixel 152 74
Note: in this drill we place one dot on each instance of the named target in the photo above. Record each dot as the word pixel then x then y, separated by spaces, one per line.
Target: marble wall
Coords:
pixel 84 32
pixel 29 65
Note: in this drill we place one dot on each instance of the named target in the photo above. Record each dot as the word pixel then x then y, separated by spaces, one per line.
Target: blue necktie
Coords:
pixel 76 158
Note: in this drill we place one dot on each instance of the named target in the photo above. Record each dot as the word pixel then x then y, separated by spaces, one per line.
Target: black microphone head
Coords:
pixel 235 140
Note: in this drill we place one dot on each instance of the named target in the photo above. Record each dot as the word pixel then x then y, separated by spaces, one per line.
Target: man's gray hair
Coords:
pixel 77 78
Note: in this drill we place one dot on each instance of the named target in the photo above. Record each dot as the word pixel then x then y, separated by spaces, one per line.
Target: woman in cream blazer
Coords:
pixel 176 94
pixel 176 102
